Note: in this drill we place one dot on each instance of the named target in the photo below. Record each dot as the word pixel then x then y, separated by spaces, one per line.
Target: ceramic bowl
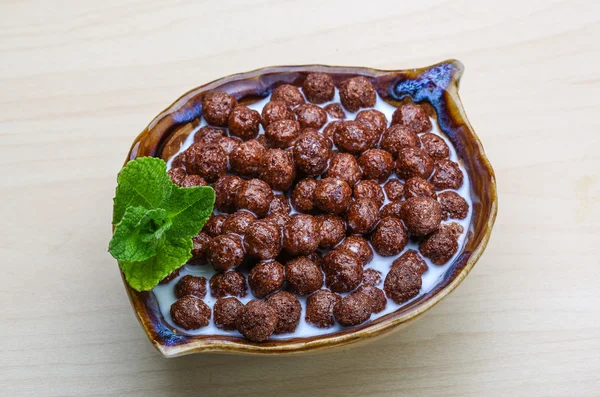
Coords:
pixel 435 86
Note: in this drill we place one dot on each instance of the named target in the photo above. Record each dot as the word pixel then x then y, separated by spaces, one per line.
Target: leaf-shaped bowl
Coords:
pixel 435 86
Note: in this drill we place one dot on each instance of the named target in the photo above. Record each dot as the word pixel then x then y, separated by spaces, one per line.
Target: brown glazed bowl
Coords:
pixel 435 86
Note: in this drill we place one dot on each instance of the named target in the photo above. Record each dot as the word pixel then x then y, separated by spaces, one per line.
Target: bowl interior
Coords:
pixel 436 87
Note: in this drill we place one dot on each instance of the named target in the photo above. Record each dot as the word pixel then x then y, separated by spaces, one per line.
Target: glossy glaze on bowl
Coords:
pixel 436 87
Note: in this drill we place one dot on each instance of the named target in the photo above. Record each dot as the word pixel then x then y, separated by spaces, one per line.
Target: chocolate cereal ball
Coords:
pixel 362 216
pixel 435 146
pixel 378 300
pixel 301 235
pixel 411 259
pixel 414 162
pixel 357 92
pixel 289 94
pixel 303 195
pixel 332 195
pixel 266 278
pixel 335 111
pixel 447 175
pixel 389 237
pixel 214 225
pixel 453 205
pixel 228 283
pixel 288 311
pixel 412 116
pixel 226 312
pixel 371 277
pixel 310 116
pixel 367 189
pixel 208 134
pixel 353 137
pixel 208 161
pixel 311 153
pixel 255 196
pixel 402 283
pixel 353 309
pixel 398 137
pixel 393 209
pixel 279 218
pixel 191 285
pixel 277 169
pixel 190 312
pixel 280 205
pixel 238 222
pixel 374 119
pixel 263 239
pixel 332 230
pixel 319 308
pixel 228 143
pixel 257 321
pixel 283 133
pixel 358 245
pixel 394 189
pixel 193 180
pixel 226 188
pixel 440 246
pixel 200 246
pixel 318 87
pixel 421 215
pixel 329 131
pixel 343 270
pixel 274 111
pixel 246 158
pixel 418 187
pixel 225 252
pixel 216 107
pixel 376 164
pixel 176 174
pixel 303 275
pixel 244 122
pixel 345 167
pixel 179 160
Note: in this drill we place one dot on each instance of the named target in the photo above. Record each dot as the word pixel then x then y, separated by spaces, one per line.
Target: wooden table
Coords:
pixel 79 80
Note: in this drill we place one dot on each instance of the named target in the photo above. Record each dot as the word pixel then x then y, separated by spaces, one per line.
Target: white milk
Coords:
pixel 165 294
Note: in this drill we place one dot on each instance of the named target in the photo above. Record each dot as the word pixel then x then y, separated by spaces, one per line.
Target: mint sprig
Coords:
pixel 155 221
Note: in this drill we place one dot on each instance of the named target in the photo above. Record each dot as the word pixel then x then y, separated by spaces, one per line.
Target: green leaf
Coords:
pixel 155 222
pixel 189 208
pixel 137 235
pixel 145 275
pixel 142 182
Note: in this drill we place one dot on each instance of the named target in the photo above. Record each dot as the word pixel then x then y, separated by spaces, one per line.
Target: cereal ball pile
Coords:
pixel 308 193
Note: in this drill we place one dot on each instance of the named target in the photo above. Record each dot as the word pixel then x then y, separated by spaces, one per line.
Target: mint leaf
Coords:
pixel 137 234
pixel 145 275
pixel 189 208
pixel 155 221
pixel 142 182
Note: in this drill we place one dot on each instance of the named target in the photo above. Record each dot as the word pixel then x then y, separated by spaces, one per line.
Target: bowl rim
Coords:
pixel 392 321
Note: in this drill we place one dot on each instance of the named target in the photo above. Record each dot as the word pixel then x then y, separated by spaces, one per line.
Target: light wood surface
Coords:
pixel 80 79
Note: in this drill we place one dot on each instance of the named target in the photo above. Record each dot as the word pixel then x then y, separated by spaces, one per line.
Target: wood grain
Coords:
pixel 78 81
